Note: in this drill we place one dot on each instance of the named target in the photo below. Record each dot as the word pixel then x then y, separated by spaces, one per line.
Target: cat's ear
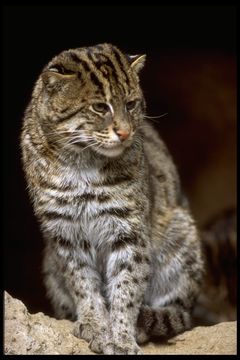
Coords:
pixel 137 62
pixel 54 76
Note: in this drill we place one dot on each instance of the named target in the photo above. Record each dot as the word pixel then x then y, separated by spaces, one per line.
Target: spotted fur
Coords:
pixel 122 254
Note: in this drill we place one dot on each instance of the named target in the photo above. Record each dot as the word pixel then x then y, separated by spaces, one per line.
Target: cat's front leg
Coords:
pixel 92 322
pixel 127 274
pixel 84 284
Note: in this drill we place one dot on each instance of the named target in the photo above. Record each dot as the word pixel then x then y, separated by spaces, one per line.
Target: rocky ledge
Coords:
pixel 27 333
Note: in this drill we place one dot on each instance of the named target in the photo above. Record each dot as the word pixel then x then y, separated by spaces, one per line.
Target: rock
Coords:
pixel 39 334
pixel 220 339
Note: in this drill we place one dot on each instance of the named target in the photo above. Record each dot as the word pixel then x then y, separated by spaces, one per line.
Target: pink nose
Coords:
pixel 123 134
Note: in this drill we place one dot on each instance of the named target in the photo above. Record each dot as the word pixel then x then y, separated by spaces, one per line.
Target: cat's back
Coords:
pixel 163 175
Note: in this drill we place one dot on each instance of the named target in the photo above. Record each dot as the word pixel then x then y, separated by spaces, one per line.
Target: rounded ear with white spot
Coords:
pixel 137 62
pixel 56 75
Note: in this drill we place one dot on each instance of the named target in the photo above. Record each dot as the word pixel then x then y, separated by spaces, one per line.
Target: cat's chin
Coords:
pixel 111 152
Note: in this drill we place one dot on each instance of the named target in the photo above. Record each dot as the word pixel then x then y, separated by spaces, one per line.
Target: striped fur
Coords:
pixel 122 255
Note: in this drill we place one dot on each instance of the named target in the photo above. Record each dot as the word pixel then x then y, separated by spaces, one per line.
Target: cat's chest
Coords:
pixel 77 195
pixel 87 193
pixel 88 207
pixel 87 177
pixel 71 193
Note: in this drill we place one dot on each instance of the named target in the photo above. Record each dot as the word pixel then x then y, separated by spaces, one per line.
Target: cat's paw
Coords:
pixel 122 348
pixel 96 336
pixel 99 340
pixel 83 331
pixel 97 344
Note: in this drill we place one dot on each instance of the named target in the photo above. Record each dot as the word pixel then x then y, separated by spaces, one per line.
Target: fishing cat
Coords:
pixel 122 253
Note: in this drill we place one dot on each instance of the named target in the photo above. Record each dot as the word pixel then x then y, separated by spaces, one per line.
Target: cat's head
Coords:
pixel 91 97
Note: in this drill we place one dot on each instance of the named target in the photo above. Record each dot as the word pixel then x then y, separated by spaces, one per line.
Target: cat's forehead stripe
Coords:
pixel 88 69
pixel 109 55
pixel 95 76
pixel 106 70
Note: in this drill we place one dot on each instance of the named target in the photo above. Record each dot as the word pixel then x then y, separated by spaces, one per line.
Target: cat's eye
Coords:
pixel 130 105
pixel 100 107
pixel 60 69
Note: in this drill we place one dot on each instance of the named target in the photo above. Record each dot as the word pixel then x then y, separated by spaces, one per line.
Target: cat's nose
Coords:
pixel 122 134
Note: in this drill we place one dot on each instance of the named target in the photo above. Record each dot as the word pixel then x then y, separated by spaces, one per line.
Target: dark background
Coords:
pixel 190 74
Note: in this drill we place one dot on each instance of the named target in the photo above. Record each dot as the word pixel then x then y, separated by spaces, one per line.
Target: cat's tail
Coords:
pixel 162 322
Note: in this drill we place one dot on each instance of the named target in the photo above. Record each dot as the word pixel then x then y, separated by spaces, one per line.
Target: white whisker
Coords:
pixel 155 117
pixel 88 146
